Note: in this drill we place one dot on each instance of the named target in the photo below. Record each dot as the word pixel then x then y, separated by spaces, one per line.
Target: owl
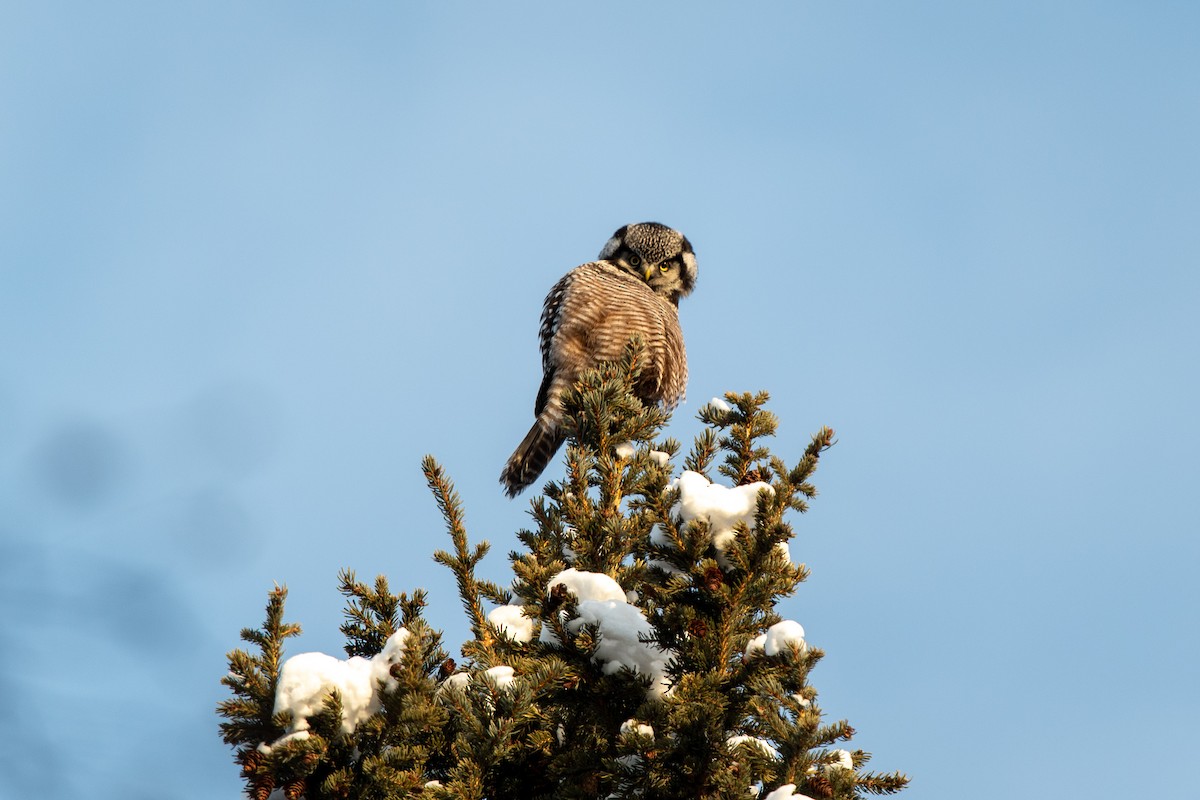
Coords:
pixel 589 316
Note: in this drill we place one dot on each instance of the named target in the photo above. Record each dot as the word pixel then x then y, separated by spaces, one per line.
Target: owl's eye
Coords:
pixel 635 260
pixel 665 267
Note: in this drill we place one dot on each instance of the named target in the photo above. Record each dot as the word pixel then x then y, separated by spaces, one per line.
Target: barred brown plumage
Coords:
pixel 591 314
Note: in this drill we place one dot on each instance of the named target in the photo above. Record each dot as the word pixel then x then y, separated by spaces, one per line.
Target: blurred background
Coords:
pixel 256 259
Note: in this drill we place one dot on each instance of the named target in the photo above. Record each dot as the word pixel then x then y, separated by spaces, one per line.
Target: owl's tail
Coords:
pixel 531 457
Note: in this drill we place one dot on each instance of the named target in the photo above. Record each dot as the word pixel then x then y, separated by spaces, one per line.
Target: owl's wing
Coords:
pixel 552 310
pixel 552 314
pixel 674 360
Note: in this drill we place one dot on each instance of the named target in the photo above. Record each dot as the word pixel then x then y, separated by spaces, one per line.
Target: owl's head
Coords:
pixel 656 254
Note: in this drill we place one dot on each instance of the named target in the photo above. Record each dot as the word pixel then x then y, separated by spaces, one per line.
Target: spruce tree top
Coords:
pixel 638 651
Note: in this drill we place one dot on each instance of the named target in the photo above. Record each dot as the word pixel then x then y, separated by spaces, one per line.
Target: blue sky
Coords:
pixel 256 259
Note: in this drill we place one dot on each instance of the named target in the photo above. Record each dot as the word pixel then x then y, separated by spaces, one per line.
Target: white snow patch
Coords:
pixel 458 680
pixel 515 625
pixel 588 585
pixel 788 790
pixel 501 675
pixel 631 726
pixel 659 457
pixel 624 450
pixel 722 506
pixel 777 639
pixel 621 626
pixel 762 744
pixel 603 603
pixel 844 760
pixel 307 680
pixel 720 405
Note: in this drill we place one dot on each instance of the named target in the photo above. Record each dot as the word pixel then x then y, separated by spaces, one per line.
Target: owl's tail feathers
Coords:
pixel 531 457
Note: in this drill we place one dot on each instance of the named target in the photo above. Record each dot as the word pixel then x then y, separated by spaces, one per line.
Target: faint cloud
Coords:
pixel 79 464
pixel 135 606
pixel 214 527
pixel 234 426
pixel 29 763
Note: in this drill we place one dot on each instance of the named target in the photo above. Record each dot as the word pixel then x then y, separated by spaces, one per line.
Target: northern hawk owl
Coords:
pixel 591 314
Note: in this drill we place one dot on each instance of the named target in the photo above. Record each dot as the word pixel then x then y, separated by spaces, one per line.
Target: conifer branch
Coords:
pixel 372 615
pixel 463 561
pixel 876 783
pixel 252 679
pixel 747 423
pixel 705 448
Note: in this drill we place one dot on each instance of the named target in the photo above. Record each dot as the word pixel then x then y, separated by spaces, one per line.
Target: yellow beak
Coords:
pixel 649 271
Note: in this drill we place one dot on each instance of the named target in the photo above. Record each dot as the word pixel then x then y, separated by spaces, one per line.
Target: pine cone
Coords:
pixel 818 786
pixel 294 790
pixel 698 628
pixel 714 578
pixel 446 669
pixel 249 759
pixel 759 473
pixel 261 789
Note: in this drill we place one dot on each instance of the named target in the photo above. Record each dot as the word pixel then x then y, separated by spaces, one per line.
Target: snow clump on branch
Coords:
pixel 844 760
pixel 502 676
pixel 512 622
pixel 626 451
pixel 307 680
pixel 631 727
pixel 777 639
pixel 720 405
pixel 622 628
pixel 763 745
pixel 722 507
pixel 786 792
